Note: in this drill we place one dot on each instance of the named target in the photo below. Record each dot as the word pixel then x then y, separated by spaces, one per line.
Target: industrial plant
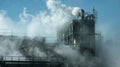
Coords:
pixel 79 34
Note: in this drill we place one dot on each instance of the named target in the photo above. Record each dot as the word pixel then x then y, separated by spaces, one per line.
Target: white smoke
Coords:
pixel 40 24
pixel 25 17
pixel 75 58
pixel 5 23
pixel 43 24
pixel 9 46
pixel 46 25
pixel 76 11
pixel 109 49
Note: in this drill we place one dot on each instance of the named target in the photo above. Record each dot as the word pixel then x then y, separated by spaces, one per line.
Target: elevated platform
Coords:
pixel 15 61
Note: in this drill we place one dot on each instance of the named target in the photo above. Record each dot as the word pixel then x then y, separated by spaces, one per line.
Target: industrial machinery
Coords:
pixel 80 32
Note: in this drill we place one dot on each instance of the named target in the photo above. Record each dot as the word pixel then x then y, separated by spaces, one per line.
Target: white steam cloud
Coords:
pixel 110 47
pixel 43 24
pixel 76 11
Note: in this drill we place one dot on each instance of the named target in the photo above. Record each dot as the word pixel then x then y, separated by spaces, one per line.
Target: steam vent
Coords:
pixel 79 34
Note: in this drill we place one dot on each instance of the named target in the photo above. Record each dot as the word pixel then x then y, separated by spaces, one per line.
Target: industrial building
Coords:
pixel 80 33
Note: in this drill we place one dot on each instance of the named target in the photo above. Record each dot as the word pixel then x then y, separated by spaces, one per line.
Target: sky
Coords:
pixel 107 10
pixel 107 24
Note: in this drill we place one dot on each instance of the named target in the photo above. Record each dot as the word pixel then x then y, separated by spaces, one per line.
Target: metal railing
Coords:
pixel 22 58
